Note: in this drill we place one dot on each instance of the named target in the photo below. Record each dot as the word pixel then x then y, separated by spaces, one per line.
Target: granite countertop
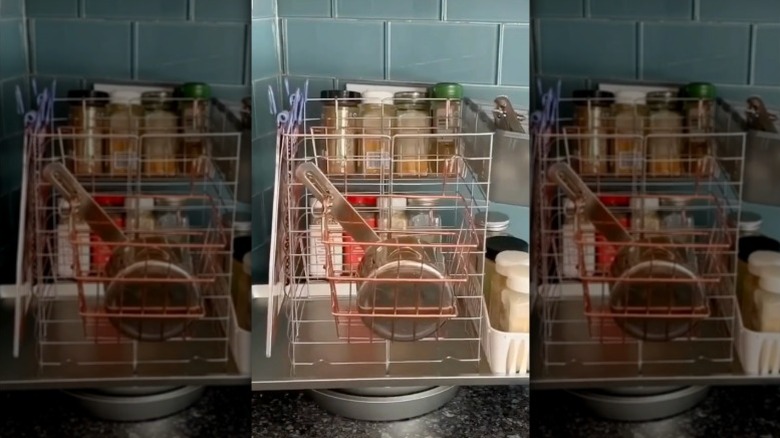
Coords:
pixel 222 412
pixel 479 412
pixel 745 411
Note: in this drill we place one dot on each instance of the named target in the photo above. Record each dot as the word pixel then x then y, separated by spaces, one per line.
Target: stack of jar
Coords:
pixel 630 115
pixel 107 129
pixel 377 116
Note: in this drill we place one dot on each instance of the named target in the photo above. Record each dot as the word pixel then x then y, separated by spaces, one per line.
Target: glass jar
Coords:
pixel 392 214
pixel 353 253
pixel 605 254
pixel 377 114
pixel 629 115
pixel 140 216
pixel 446 112
pixel 411 153
pixel 675 220
pixel 664 153
pixel 757 262
pixel 767 300
pixel 171 220
pixel 125 118
pixel 494 223
pixel 579 238
pixel 645 221
pixel 593 118
pixel 507 263
pixel 515 304
pixel 699 119
pixel 340 117
pixel 87 116
pixel 195 120
pixel 101 252
pixel 423 216
pixel 160 145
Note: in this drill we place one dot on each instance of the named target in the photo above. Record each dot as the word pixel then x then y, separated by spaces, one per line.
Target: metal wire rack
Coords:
pixel 160 299
pixel 311 271
pixel 674 316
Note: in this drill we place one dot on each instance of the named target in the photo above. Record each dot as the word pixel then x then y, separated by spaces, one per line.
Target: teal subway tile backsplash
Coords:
pixel 304 8
pixel 502 11
pixel 11 9
pixel 762 11
pixel 431 52
pixel 203 51
pixel 334 48
pixel 516 49
pixel 262 8
pixel 264 121
pixel 767 56
pixel 629 9
pixel 10 118
pixel 52 8
pixel 383 9
pixel 222 10
pixel 13 52
pixel 557 8
pixel 265 48
pixel 136 9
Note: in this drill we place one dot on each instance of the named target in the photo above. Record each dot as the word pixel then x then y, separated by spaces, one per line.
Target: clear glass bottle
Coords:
pixel 699 119
pixel 195 112
pixel 124 123
pixel 495 224
pixel 629 112
pixel 392 214
pixel 377 114
pixel 515 304
pixel 446 112
pixel 140 216
pixel 645 221
pixel 676 221
pixel 579 236
pixel 340 117
pixel 593 119
pixel 171 220
pixel 160 145
pixel 87 115
pixel 767 298
pixel 423 216
pixel 664 153
pixel 507 263
pixel 411 153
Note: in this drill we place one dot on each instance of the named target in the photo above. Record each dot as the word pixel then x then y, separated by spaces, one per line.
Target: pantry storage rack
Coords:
pixel 75 338
pixel 312 320
pixel 579 342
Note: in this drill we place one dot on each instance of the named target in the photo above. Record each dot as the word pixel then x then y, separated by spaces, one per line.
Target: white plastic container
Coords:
pixel 507 263
pixel 507 353
pixel 515 305
pixel 317 253
pixel 759 352
pixel 767 300
pixel 757 261
pixel 65 261
pixel 571 250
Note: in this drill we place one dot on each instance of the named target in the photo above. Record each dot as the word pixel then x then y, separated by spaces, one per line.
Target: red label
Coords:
pixel 353 254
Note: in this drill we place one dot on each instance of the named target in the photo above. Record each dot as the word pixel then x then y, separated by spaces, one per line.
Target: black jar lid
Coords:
pixel 497 244
pixel 341 94
pixel 750 244
pixel 90 97
pixel 597 97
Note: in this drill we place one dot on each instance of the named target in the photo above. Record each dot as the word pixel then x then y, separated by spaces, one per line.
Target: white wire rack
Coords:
pixel 583 333
pixel 192 205
pixel 325 327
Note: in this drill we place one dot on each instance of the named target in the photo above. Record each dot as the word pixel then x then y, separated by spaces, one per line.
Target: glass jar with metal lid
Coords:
pixel 124 124
pixel 87 116
pixel 377 114
pixel 446 110
pixel 159 144
pixel 664 151
pixel 171 220
pixel 340 116
pixel 423 216
pixel 411 147
pixel 593 120
pixel 195 117
pixel 629 113
pixel 699 119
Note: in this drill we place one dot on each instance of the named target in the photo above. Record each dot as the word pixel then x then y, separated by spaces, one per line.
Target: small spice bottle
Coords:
pixel 446 110
pixel 87 115
pixel 699 119
pixel 195 112
pixel 629 111
pixel 593 119
pixel 377 114
pixel 664 152
pixel 160 145
pixel 340 116
pixel 413 119
pixel 125 119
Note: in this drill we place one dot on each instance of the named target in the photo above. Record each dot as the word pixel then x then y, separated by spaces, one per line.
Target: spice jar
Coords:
pixel 378 118
pixel 664 153
pixel 101 252
pixel 159 145
pixel 629 113
pixel 645 221
pixel 411 153
pixel 593 119
pixel 495 224
pixel 353 252
pixel 340 117
pixel 424 216
pixel 87 116
pixel 699 119
pixel 392 214
pixel 676 221
pixel 172 220
pixel 140 216
pixel 767 298
pixel 195 118
pixel 446 112
pixel 125 117
pixel 606 253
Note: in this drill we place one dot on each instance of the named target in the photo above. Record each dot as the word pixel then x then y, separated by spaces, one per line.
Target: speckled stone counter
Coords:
pixel 479 412
pixel 222 412
pixel 747 411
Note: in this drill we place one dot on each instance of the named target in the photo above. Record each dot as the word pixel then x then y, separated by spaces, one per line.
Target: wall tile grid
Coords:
pixel 731 44
pixel 332 42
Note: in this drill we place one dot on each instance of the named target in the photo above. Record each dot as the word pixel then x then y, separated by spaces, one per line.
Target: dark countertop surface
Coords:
pixel 744 412
pixel 221 412
pixel 479 412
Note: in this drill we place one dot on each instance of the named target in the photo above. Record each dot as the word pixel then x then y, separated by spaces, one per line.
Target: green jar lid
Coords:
pixel 700 90
pixel 195 90
pixel 447 90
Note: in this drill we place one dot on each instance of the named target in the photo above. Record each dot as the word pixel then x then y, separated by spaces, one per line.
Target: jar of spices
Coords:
pixel 699 119
pixel 593 119
pixel 353 252
pixel 664 153
pixel 411 153
pixel 423 216
pixel 446 110
pixel 140 216
pixel 493 247
pixel 630 112
pixel 195 112
pixel 767 298
pixel 340 117
pixel 676 221
pixel 160 145
pixel 645 221
pixel 378 119
pixel 171 220
pixel 495 224
pixel 392 214
pixel 125 118
pixel 101 252
pixel 606 253
pixel 87 116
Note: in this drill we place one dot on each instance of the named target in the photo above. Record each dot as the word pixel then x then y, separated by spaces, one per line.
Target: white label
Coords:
pixel 375 160
pixel 571 251
pixel 629 160
pixel 65 263
pixel 317 253
pixel 124 160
